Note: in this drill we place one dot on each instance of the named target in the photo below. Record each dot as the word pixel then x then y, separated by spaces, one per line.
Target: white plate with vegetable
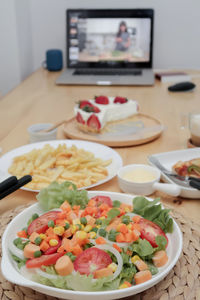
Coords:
pixel 95 258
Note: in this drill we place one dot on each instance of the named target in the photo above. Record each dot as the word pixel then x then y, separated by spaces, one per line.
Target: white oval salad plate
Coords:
pixel 12 273
pixel 100 151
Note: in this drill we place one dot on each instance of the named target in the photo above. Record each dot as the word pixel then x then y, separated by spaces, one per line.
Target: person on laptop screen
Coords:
pixel 123 39
pixel 109 46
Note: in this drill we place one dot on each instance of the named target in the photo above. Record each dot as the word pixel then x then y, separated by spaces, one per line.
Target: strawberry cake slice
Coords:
pixel 93 115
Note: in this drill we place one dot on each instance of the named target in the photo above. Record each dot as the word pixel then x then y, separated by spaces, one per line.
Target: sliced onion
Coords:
pixel 46 275
pixel 16 251
pixel 27 273
pixel 130 214
pixel 111 243
pixel 118 256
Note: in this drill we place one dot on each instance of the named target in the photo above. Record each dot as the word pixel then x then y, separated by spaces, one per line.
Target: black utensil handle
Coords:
pixel 194 184
pixel 24 180
pixel 194 179
pixel 21 182
pixel 7 183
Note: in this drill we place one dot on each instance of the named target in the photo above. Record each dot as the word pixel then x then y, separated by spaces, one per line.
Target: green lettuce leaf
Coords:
pixel 128 272
pixel 20 262
pixel 142 248
pixel 154 212
pixel 78 282
pixel 152 268
pixel 55 194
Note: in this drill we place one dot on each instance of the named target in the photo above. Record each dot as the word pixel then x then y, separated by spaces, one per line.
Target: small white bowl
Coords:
pixel 145 188
pixel 35 134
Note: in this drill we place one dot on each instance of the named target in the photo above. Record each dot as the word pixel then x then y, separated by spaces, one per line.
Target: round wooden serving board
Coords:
pixel 136 130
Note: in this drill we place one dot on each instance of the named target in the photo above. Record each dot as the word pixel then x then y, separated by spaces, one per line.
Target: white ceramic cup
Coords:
pixel 145 188
pixel 35 134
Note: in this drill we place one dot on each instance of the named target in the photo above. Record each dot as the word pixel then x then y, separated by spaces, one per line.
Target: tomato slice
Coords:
pixel 44 260
pixel 40 224
pixel 53 249
pixel 102 200
pixel 150 230
pixel 91 260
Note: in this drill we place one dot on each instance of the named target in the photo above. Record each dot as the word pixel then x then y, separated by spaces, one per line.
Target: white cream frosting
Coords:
pixel 110 112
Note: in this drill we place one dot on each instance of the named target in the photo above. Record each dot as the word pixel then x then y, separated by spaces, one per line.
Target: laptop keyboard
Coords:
pixel 110 72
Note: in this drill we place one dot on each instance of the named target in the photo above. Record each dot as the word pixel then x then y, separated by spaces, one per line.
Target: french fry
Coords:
pixel 60 164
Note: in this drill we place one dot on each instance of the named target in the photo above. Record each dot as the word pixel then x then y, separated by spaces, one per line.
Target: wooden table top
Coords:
pixel 39 100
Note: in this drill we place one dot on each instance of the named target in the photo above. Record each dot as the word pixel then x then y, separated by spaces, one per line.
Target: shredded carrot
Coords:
pixel 71 216
pixel 89 211
pixel 128 252
pixel 76 250
pixel 104 213
pixel 22 234
pixel 92 203
pixel 127 283
pixel 61 249
pixel 128 237
pixel 49 231
pixel 68 233
pixel 120 238
pixel 66 207
pixel 76 207
pixel 44 246
pixel 100 241
pixel 123 228
pixel 136 219
pixel 122 212
pixel 103 206
pixel 66 243
pixel 117 247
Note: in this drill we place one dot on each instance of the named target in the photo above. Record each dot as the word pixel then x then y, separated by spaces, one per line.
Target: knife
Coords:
pixel 186 181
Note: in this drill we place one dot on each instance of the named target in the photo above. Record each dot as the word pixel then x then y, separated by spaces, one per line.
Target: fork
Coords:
pixel 156 162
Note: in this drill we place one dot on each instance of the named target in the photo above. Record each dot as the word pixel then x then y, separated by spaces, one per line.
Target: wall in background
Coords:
pixel 16 59
pixel 176 31
pixel 9 54
pixel 29 27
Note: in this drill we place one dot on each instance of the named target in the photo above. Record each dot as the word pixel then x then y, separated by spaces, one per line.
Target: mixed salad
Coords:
pixel 92 244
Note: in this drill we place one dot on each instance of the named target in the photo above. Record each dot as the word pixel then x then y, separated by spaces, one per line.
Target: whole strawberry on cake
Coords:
pixel 93 115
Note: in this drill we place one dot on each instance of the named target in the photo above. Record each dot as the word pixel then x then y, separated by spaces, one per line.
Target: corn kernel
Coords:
pixel 123 286
pixel 59 230
pixel 102 218
pixel 82 235
pixel 43 236
pixel 113 267
pixel 135 258
pixel 76 221
pixel 92 234
pixel 127 209
pixel 88 228
pixel 73 229
pixel 53 242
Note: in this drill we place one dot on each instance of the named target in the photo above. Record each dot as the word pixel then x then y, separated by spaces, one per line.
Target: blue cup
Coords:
pixel 54 60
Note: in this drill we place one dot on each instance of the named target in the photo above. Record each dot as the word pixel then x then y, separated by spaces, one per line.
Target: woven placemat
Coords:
pixel 182 283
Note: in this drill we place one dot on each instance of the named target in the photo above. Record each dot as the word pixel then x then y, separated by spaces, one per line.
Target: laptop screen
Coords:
pixel 109 38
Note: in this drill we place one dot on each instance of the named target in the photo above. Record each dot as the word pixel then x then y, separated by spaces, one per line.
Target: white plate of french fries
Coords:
pixel 86 164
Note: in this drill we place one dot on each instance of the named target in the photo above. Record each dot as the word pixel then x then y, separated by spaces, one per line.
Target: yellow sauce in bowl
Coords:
pixel 139 175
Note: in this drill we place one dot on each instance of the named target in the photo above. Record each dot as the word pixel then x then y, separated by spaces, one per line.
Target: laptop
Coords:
pixel 109 47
